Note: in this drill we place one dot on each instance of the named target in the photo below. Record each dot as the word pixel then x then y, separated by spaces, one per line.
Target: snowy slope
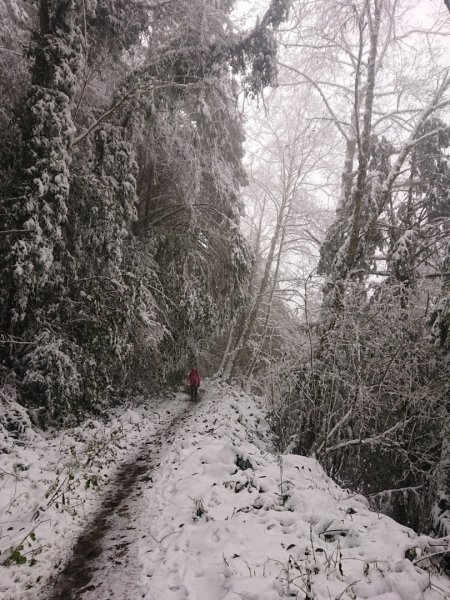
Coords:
pixel 221 518
pixel 229 519
pixel 52 483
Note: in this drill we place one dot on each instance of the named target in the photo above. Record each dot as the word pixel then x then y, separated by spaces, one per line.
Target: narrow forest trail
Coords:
pixel 104 564
pixel 205 508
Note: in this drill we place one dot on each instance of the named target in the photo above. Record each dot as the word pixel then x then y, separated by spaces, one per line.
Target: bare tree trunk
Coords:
pixel 227 352
pixel 363 140
pixel 347 173
pixel 250 321
pixel 238 323
pixel 269 305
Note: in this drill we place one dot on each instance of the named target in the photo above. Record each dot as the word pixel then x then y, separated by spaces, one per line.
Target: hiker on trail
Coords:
pixel 194 382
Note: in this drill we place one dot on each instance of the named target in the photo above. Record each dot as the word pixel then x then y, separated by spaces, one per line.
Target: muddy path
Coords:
pixel 104 563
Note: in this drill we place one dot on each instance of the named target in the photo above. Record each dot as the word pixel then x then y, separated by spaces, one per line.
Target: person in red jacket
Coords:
pixel 194 382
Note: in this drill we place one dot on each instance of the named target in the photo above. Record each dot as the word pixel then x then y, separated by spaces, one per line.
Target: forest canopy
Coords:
pixel 121 250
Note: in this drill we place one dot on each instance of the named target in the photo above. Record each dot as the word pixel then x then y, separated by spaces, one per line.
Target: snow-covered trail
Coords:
pixel 104 564
pixel 201 507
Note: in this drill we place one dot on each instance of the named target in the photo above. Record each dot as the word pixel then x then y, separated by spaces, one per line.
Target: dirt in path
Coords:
pixel 104 563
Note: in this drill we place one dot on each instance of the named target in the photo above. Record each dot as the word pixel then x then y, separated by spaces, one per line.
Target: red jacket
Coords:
pixel 194 377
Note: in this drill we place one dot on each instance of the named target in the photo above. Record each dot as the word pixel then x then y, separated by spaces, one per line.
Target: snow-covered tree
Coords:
pixel 363 397
pixel 122 217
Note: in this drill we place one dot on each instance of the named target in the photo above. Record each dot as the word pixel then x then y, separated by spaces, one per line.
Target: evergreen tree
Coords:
pixel 124 208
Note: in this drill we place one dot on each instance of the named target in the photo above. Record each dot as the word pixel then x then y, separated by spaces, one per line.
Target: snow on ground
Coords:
pixel 222 517
pixel 105 560
pixel 230 519
pixel 52 482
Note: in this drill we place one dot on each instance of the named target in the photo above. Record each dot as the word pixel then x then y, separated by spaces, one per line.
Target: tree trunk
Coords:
pixel 250 321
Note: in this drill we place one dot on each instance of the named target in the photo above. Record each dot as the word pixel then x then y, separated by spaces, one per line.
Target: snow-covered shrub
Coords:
pixel 15 423
pixel 14 418
pixel 52 379
pixel 372 405
pixel 440 315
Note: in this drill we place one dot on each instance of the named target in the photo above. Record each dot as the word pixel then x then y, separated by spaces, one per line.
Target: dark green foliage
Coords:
pixel 16 558
pixel 243 463
pixel 120 173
